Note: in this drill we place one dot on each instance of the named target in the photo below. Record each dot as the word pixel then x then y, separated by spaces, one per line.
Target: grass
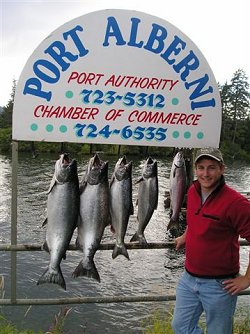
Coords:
pixel 6 327
pixel 242 325
pixel 157 323
pixel 160 323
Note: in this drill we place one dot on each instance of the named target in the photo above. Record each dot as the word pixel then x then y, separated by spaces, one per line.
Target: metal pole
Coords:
pixel 98 300
pixel 14 219
pixel 103 246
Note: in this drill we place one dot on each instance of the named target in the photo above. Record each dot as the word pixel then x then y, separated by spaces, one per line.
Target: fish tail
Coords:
pixel 173 224
pixel 139 238
pixel 120 250
pixel 88 271
pixel 52 275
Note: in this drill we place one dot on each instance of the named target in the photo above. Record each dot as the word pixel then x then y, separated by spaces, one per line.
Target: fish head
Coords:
pixel 65 169
pixel 150 168
pixel 123 169
pixel 97 171
pixel 179 160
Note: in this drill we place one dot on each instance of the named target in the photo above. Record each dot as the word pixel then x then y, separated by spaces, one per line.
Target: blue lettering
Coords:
pixel 72 33
pixel 201 82
pixel 133 34
pixel 198 92
pixel 49 66
pixel 113 30
pixel 47 71
pixel 173 48
pixel 203 104
pixel 58 56
pixel 33 87
pixel 156 44
pixel 190 62
pixel 155 37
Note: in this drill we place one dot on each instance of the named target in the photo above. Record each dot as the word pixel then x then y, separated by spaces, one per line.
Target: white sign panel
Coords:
pixel 118 77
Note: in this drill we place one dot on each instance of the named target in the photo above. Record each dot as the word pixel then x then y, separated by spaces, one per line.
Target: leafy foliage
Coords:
pixel 235 114
pixel 160 323
pixel 6 114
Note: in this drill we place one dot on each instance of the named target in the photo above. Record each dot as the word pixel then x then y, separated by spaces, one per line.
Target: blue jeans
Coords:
pixel 195 295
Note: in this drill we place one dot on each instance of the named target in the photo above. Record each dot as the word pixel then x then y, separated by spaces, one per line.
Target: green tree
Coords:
pixel 6 115
pixel 225 104
pixel 239 101
pixel 235 114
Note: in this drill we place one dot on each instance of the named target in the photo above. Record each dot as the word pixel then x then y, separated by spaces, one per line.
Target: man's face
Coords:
pixel 208 172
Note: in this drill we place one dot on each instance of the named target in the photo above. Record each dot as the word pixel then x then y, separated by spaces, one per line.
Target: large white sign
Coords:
pixel 121 77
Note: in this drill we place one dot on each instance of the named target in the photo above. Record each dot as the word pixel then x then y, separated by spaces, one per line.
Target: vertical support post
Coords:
pixel 14 219
pixel 119 150
pixel 188 156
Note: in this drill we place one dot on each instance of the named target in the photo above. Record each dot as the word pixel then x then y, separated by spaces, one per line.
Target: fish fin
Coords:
pixel 131 211
pixel 112 229
pixel 139 180
pixel 156 202
pixel 82 186
pixel 174 172
pixel 120 250
pixel 78 245
pixel 139 238
pixel 157 196
pixel 90 271
pixel 52 183
pixel 173 224
pixel 45 247
pixel 170 209
pixel 52 275
pixel 78 223
pixel 45 221
pixel 111 180
pixel 109 220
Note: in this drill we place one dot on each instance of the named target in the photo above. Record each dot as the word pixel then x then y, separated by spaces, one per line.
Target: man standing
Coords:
pixel 217 216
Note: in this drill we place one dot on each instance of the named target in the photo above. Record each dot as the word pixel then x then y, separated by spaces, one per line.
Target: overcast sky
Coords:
pixel 219 28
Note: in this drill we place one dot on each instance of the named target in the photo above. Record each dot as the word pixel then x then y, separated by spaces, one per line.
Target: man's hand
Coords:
pixel 180 242
pixel 236 285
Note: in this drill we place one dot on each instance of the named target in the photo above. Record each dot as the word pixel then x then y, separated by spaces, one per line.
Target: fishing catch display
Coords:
pixel 88 206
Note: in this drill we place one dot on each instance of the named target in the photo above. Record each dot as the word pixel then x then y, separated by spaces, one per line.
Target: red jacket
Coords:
pixel 212 246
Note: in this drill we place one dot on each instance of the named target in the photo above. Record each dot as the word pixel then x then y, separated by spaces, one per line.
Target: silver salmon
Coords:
pixel 121 205
pixel 94 215
pixel 147 198
pixel 62 214
pixel 178 186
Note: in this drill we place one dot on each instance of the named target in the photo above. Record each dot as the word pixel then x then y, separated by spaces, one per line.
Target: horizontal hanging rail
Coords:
pixel 96 300
pixel 103 246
